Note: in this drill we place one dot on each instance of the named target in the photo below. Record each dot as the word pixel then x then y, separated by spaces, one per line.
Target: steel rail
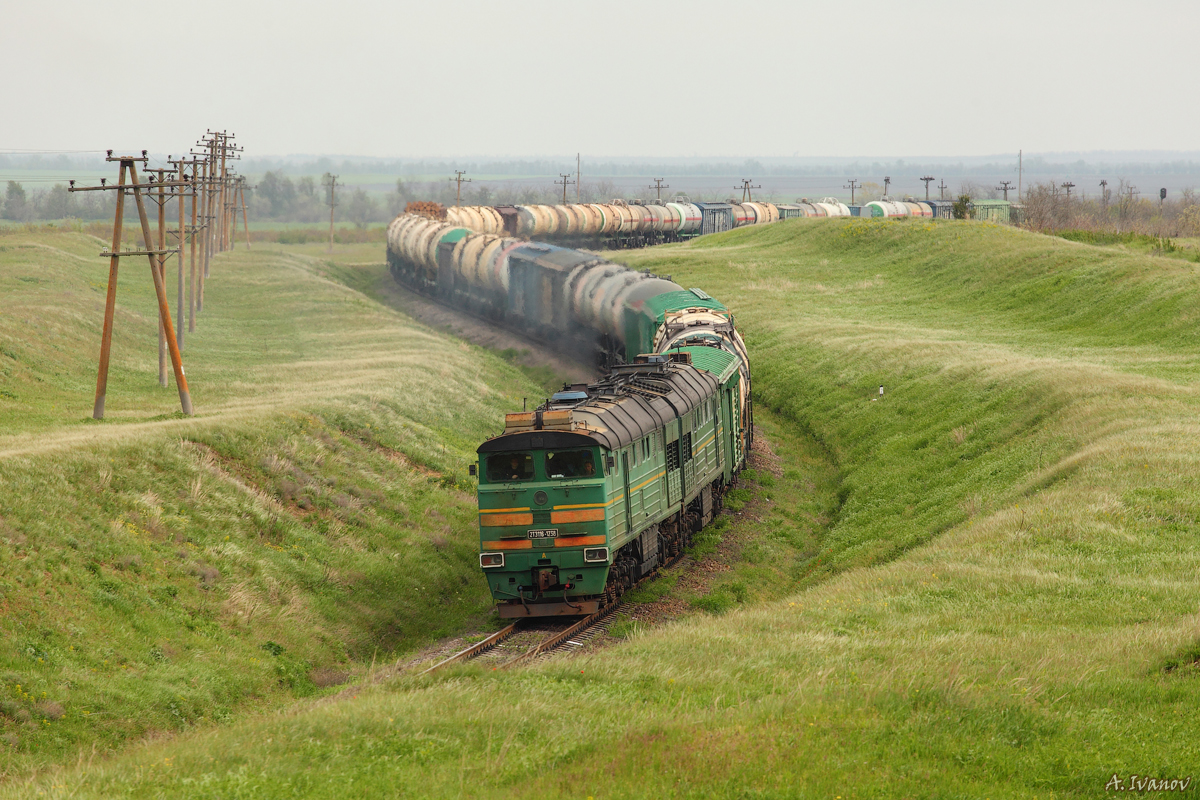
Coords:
pixel 556 640
pixel 477 648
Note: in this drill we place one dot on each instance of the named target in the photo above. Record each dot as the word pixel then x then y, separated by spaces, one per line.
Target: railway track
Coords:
pixel 544 647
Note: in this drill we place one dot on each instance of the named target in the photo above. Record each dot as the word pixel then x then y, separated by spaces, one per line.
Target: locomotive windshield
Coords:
pixel 505 467
pixel 563 464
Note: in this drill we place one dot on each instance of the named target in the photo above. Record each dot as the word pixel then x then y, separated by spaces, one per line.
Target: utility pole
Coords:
pixel 1068 186
pixel 161 175
pixel 853 185
pixel 887 182
pixel 129 169
pixel 184 235
pixel 1162 195
pixel 245 222
pixel 747 197
pixel 565 183
pixel 942 187
pixel 929 180
pixel 193 230
pixel 332 184
pixel 222 229
pixel 1020 172
pixel 1104 193
pixel 1004 187
pixel 658 184
pixel 578 178
pixel 460 180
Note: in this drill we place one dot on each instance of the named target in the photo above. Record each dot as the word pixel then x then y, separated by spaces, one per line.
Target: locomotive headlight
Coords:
pixel 595 554
pixel 491 560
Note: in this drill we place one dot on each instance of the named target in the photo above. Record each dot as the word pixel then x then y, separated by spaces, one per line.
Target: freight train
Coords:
pixel 622 224
pixel 595 488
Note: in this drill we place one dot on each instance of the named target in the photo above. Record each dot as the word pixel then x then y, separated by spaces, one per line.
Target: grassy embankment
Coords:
pixel 1004 605
pixel 1025 486
pixel 158 572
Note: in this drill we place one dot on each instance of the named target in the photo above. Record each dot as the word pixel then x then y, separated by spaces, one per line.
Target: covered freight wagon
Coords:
pixel 715 217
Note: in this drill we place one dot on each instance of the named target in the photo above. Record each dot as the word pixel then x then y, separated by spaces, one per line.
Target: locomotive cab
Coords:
pixel 542 506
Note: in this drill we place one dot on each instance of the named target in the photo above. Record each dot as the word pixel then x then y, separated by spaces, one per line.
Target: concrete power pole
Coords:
pixel 659 185
pixel 927 180
pixel 460 180
pixel 1004 187
pixel 747 197
pixel 853 184
pixel 332 184
pixel 566 181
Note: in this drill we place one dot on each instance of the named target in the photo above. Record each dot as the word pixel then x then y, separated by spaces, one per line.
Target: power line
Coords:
pixel 19 151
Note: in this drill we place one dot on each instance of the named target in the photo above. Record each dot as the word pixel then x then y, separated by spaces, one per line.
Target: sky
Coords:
pixel 510 79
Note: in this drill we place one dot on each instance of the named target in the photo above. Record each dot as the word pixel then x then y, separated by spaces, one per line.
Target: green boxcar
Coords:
pixel 992 210
pixel 591 491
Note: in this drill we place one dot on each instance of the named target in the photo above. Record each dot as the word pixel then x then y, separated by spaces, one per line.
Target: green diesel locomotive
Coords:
pixel 603 483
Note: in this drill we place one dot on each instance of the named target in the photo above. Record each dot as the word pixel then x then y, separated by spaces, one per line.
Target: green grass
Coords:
pixel 1001 600
pixel 159 572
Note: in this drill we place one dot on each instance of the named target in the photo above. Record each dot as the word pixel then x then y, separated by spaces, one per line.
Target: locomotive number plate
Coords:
pixel 550 533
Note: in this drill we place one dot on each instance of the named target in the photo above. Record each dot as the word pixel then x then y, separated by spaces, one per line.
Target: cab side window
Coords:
pixel 504 467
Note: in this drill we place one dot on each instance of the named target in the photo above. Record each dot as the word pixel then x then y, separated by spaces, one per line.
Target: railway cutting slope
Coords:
pixel 1003 606
pixel 159 573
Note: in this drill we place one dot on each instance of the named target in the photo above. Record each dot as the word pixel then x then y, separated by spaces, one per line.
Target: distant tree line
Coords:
pixel 1120 209
pixel 24 205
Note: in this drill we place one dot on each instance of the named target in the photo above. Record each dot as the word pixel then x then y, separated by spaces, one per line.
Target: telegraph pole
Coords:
pixel 245 222
pixel 929 180
pixel 1068 186
pixel 747 197
pixel 1104 193
pixel 129 169
pixel 578 178
pixel 942 187
pixel 185 235
pixel 1004 187
pixel 161 198
pixel 332 184
pixel 565 183
pixel 853 185
pixel 887 182
pixel 659 185
pixel 460 180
